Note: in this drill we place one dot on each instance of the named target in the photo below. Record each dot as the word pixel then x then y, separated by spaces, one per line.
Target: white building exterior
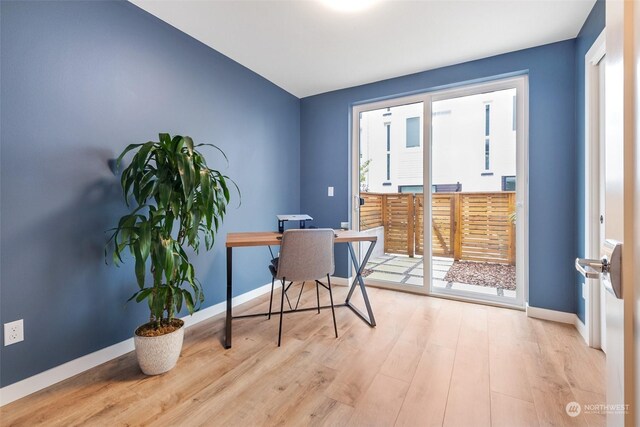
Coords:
pixel 474 145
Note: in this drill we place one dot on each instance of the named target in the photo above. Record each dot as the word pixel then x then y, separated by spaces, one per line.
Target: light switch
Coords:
pixel 330 192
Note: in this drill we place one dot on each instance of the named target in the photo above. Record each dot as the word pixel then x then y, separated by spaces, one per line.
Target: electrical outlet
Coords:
pixel 585 290
pixel 330 192
pixel 13 332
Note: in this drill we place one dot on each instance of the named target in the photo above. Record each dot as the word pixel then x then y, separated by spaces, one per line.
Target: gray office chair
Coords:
pixel 305 255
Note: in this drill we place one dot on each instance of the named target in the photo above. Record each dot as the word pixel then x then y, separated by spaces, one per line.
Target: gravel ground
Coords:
pixel 483 274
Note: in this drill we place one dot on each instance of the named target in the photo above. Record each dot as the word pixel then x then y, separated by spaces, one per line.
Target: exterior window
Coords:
pixel 487 120
pixel 418 189
pixel 487 154
pixel 508 183
pixel 446 188
pixel 388 126
pixel 388 137
pixel 413 132
pixel 388 166
pixel 487 128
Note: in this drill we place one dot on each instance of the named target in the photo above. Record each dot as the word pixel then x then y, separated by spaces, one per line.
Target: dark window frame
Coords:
pixel 487 119
pixel 412 120
pixel 505 183
pixel 487 154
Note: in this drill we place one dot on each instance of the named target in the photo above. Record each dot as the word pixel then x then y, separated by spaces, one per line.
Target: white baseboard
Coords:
pixel 553 315
pixel 582 328
pixel 52 376
pixel 558 316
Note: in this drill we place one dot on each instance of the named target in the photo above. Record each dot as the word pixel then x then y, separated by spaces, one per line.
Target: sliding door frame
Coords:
pixel 355 176
pixel 520 83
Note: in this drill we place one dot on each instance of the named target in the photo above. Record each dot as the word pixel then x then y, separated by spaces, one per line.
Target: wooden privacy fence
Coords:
pixel 465 226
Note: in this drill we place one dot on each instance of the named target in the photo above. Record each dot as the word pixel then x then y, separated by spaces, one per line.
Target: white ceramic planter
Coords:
pixel 157 355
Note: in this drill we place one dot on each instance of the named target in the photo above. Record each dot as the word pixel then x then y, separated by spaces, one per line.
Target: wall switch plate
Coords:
pixel 330 192
pixel 585 290
pixel 13 332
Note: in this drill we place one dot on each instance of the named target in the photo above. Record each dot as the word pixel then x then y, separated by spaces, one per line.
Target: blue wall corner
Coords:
pixel 79 81
pixel 590 31
pixel 324 156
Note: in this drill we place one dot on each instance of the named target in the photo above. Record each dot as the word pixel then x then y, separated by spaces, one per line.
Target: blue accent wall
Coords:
pixel 590 31
pixel 79 81
pixel 325 156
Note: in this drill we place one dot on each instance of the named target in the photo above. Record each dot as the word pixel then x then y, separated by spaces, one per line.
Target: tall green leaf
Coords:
pixel 179 200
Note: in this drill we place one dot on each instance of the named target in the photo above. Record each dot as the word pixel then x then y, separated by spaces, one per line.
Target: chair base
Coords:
pixel 282 297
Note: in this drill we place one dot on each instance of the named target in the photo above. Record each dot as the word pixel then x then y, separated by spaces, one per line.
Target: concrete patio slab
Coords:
pixel 391 268
pixel 403 269
pixel 403 262
pixel 415 280
pixel 389 277
pixel 438 274
pixel 379 260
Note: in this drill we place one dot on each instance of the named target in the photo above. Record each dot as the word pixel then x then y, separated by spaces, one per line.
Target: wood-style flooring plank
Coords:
pixel 381 402
pixel 429 362
pixel 426 398
pixel 507 411
pixel 469 400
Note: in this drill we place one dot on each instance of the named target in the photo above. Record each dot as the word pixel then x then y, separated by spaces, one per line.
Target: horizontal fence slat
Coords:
pixel 466 226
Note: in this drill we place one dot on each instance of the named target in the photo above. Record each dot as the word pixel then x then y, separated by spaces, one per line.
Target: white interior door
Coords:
pixel 614 155
pixel 600 224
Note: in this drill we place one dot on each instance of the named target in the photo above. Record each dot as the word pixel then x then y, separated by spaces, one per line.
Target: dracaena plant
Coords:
pixel 176 199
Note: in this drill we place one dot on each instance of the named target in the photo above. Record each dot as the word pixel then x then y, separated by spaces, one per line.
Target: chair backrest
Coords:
pixel 306 254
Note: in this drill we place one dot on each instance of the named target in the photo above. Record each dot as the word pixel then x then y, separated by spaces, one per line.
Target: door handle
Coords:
pixel 609 267
pixel 592 268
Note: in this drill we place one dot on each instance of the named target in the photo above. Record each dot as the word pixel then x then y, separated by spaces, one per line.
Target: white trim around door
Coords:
pixel 520 83
pixel 592 184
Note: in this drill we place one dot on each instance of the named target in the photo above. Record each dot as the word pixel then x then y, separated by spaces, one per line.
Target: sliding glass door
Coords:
pixel 477 191
pixel 441 178
pixel 390 193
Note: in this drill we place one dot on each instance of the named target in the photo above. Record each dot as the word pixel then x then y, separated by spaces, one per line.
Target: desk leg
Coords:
pixel 359 281
pixel 227 335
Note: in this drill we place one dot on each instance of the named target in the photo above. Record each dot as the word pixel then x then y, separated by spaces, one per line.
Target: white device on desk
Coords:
pixel 283 218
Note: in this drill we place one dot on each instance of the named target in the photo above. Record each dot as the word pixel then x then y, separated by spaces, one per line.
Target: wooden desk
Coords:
pixel 271 238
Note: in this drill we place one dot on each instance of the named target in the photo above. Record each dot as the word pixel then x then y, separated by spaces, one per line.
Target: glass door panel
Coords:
pixel 390 164
pixel 473 191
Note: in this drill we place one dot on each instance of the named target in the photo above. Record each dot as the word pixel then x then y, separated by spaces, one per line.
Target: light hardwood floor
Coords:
pixel 428 362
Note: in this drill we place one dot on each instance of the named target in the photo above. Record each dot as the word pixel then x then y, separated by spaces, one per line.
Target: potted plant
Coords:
pixel 177 199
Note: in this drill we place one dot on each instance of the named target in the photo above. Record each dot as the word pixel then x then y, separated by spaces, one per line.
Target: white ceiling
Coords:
pixel 308 48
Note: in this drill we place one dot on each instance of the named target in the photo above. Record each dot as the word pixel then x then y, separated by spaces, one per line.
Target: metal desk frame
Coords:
pixel 271 239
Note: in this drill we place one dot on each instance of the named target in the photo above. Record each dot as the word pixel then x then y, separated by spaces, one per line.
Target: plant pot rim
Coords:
pixel 175 319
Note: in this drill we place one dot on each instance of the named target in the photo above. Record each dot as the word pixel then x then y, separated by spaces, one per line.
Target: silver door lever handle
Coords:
pixel 591 268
